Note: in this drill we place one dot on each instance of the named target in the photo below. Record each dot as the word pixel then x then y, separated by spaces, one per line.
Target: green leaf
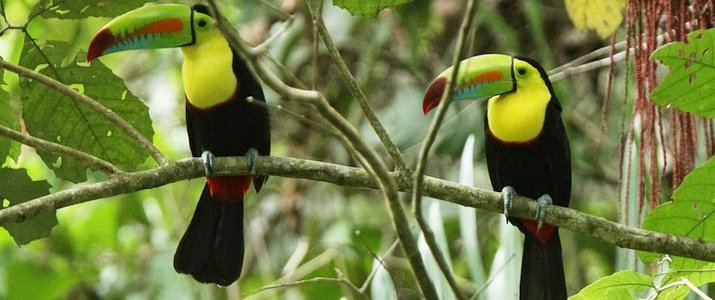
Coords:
pixel 7 119
pixel 698 184
pixel 620 285
pixel 693 219
pixel 602 16
pixel 692 270
pixel 63 9
pixel 17 187
pixel 689 212
pixel 53 116
pixel 416 17
pixel 367 7
pixel 689 85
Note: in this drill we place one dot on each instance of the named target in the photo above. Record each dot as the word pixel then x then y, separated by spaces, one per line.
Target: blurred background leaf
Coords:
pixel 367 7
pixel 602 16
pixel 82 9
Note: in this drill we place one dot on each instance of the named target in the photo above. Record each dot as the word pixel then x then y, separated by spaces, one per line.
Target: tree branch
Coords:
pixel 608 231
pixel 469 15
pixel 349 136
pixel 355 89
pixel 145 143
pixel 60 150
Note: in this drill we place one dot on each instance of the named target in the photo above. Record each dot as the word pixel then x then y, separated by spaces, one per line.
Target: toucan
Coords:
pixel 222 119
pixel 527 151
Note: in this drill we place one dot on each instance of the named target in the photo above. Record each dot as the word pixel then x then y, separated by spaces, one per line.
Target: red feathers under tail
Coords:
pixel 229 188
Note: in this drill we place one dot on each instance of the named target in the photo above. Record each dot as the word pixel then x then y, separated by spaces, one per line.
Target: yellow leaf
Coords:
pixel 603 16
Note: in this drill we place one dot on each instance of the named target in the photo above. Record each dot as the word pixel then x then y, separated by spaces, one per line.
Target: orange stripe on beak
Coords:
pixel 486 77
pixel 161 26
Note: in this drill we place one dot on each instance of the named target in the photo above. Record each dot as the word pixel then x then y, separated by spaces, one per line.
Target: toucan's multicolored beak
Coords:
pixel 148 27
pixel 479 77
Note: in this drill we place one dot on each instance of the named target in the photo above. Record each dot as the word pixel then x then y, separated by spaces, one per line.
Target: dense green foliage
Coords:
pixel 122 247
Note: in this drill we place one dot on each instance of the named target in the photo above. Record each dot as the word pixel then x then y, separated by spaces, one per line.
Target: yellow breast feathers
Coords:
pixel 207 72
pixel 519 116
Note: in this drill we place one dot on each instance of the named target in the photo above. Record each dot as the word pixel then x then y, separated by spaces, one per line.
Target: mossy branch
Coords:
pixel 582 223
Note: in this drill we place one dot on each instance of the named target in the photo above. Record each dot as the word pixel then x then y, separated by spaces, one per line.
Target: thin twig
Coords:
pixel 583 68
pixel 381 260
pixel 60 150
pixel 470 12
pixel 341 280
pixel 605 50
pixel 263 47
pixel 355 89
pixel 108 114
pixel 489 281
pixel 301 118
pixel 682 281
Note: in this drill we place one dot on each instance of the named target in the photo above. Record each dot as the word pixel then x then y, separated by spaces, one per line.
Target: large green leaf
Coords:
pixel 693 219
pixel 17 187
pixel 690 212
pixel 7 119
pixel 64 9
pixel 54 116
pixel 690 84
pixel 699 184
pixel 367 7
pixel 620 285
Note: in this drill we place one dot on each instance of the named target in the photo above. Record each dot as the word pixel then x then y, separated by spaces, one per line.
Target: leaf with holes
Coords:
pixel 690 85
pixel 602 16
pixel 368 8
pixel 7 119
pixel 17 187
pixel 63 9
pixel 620 285
pixel 54 116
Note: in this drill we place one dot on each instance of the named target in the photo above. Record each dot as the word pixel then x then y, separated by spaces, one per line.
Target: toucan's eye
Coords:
pixel 202 23
pixel 521 71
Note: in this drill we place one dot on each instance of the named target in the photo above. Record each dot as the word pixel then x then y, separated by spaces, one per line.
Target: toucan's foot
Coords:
pixel 507 196
pixel 541 203
pixel 252 157
pixel 208 159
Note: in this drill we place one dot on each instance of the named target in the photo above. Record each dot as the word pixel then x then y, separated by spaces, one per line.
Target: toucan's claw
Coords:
pixel 208 158
pixel 541 203
pixel 507 195
pixel 252 157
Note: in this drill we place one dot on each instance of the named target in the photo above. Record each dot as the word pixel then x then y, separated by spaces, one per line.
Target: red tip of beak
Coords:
pixel 434 94
pixel 101 41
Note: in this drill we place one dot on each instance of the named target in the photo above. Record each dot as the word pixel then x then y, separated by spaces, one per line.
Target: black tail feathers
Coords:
pixel 212 248
pixel 542 270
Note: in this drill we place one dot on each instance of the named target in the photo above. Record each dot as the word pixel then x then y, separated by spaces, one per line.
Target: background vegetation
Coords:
pixel 298 230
